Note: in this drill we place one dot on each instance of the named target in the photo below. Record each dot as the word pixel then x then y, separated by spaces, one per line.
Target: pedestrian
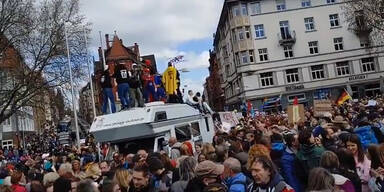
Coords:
pixel 175 148
pixel 170 83
pixel 186 173
pixel 235 180
pixel 122 76
pixel 266 177
pixel 123 178
pixel 207 178
pixel 330 161
pixel 347 167
pixel 135 88
pixel 140 179
pixel 16 180
pixel 87 186
pixel 289 161
pixel 320 180
pixel 363 164
pixel 106 85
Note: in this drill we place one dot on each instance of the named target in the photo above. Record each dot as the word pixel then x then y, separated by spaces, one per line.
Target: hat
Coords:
pixel 209 168
pixel 339 119
pixel 318 130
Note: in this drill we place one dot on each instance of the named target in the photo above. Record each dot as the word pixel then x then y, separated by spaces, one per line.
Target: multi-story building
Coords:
pixel 271 49
pixel 85 104
pixel 214 92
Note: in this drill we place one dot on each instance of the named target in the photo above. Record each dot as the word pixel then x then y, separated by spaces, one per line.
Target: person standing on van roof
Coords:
pixel 170 83
pixel 175 148
pixel 106 85
pixel 122 76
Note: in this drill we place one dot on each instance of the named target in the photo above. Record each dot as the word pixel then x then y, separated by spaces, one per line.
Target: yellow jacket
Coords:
pixel 169 80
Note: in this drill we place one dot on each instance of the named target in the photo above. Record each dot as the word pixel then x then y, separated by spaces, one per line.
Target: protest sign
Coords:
pixel 322 108
pixel 296 113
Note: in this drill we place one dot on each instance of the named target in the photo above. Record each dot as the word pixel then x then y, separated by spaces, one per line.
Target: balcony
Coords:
pixel 239 21
pixel 287 37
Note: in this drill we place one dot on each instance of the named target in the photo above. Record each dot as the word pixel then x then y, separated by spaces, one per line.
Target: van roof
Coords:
pixel 136 122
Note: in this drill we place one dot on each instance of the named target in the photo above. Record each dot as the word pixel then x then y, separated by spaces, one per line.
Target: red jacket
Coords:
pixel 18 188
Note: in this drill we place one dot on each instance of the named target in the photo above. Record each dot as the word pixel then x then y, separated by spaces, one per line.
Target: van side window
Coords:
pixel 183 133
pixel 160 116
pixel 206 123
pixel 195 129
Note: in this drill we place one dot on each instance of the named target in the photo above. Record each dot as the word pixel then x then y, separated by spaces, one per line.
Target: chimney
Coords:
pixel 136 50
pixel 107 40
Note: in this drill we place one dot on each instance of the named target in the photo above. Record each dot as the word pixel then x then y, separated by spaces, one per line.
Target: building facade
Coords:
pixel 276 50
pixel 214 93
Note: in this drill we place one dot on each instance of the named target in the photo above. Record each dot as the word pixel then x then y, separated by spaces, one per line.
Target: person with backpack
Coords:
pixel 235 180
pixel 266 177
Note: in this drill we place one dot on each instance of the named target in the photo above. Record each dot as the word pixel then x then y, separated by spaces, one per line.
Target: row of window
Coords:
pixel 318 72
pixel 246 57
pixel 284 27
pixel 255 7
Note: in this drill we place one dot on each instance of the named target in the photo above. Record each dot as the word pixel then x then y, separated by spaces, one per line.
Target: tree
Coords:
pixel 366 19
pixel 33 49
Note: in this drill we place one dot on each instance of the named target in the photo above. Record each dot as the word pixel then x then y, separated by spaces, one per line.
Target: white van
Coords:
pixel 151 126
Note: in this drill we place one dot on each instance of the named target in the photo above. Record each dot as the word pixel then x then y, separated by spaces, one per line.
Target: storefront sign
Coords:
pixel 357 77
pixel 294 87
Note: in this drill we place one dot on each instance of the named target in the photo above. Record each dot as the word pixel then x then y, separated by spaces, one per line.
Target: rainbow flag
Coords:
pixel 344 97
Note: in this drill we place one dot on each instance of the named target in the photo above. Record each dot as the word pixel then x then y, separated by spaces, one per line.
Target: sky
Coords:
pixel 165 28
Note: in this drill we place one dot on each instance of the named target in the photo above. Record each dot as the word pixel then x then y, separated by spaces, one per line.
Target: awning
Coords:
pixel 123 133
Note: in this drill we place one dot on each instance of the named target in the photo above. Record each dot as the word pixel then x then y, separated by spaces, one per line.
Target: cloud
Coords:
pixel 155 25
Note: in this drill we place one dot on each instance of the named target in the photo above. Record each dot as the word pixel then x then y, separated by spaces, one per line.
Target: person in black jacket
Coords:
pixel 122 76
pixel 106 85
pixel 135 88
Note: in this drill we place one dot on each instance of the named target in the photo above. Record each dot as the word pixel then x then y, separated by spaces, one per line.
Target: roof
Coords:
pixel 118 51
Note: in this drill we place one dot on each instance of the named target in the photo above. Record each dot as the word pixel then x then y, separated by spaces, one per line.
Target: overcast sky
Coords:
pixel 166 28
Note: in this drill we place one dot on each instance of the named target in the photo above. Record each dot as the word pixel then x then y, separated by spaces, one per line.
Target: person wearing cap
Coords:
pixel 207 176
pixel 122 76
pixel 235 180
pixel 266 177
pixel 135 87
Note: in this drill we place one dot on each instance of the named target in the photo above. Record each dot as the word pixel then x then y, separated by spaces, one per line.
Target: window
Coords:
pixel 236 11
pixel 255 8
pixel 334 20
pixel 183 133
pixel 240 32
pixel 247 32
pixel 342 68
pixel 227 70
pixel 305 3
pixel 195 129
pixel 368 64
pixel 263 54
pixel 280 5
pixel 160 116
pixel 251 57
pixel 266 79
pixel 7 122
pixel 317 72
pixel 288 52
pixel 292 75
pixel 259 29
pixel 313 47
pixel 244 9
pixel 331 1
pixel 244 57
pixel 309 24
pixel 338 42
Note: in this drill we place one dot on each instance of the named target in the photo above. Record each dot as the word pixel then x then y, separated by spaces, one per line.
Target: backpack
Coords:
pixel 366 135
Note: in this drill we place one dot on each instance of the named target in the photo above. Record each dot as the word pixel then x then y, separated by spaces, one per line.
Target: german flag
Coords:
pixel 344 97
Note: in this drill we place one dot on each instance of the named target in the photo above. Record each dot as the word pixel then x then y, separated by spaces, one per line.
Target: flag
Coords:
pixel 295 101
pixel 344 97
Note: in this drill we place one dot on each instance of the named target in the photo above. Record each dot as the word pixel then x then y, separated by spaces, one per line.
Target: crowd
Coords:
pixel 264 153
